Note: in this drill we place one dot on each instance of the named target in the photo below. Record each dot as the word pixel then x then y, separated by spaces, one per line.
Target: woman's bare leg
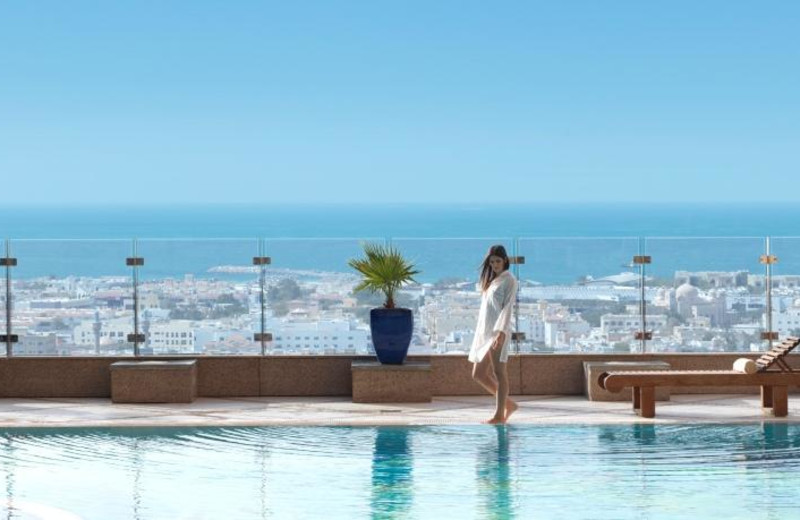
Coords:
pixel 484 374
pixel 504 406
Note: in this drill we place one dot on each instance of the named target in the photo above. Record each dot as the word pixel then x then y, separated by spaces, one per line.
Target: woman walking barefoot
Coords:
pixel 489 351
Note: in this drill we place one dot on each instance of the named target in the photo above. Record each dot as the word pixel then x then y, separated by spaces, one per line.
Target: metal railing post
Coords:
pixel 135 300
pixel 262 261
pixel 642 260
pixel 768 259
pixel 8 337
pixel 135 262
pixel 262 281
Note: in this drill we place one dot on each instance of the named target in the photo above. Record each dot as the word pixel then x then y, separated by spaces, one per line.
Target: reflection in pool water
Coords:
pixel 392 484
pixel 494 476
pixel 633 471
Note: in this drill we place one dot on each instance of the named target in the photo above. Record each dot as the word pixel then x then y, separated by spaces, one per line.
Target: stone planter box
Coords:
pixel 154 381
pixel 374 382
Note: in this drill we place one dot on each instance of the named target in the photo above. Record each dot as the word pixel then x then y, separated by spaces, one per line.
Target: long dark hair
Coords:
pixel 487 275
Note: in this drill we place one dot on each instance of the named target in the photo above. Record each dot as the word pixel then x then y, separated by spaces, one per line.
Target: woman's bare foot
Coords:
pixel 511 407
pixel 495 420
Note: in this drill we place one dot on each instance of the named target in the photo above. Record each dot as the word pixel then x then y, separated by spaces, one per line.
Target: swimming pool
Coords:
pixel 631 471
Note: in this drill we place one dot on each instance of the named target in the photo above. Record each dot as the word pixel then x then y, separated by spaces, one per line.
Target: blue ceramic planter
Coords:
pixel 391 334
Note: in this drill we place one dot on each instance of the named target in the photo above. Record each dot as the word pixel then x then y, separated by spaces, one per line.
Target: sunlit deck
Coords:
pixel 288 411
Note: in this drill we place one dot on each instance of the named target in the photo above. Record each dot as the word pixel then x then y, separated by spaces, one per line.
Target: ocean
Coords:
pixel 561 243
pixel 399 220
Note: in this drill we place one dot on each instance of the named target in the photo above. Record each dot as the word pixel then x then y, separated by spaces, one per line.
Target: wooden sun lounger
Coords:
pixel 774 383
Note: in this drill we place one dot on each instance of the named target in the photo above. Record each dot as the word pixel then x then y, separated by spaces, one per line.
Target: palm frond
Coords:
pixel 384 269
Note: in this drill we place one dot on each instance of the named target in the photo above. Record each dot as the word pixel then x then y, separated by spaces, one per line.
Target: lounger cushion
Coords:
pixel 745 366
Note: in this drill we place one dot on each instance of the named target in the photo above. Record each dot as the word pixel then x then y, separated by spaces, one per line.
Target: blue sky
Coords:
pixel 180 102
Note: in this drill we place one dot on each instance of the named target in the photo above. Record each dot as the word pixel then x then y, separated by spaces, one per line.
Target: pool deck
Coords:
pixel 296 411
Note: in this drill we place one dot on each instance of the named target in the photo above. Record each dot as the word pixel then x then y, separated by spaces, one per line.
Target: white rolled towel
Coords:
pixel 745 366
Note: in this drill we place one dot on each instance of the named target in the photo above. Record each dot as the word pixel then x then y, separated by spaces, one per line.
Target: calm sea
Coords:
pixel 444 240
pixel 408 220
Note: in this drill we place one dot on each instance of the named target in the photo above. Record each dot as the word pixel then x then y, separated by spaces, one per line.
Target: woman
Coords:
pixel 489 351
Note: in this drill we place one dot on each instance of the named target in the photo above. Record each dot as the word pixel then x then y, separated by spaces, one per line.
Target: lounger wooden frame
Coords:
pixel 774 383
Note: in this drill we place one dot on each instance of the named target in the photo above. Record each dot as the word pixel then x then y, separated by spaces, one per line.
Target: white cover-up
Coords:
pixel 497 307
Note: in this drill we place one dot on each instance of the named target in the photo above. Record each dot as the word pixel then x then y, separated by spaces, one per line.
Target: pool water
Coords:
pixel 564 472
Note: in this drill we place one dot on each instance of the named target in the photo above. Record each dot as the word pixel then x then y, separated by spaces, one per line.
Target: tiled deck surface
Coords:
pixel 274 411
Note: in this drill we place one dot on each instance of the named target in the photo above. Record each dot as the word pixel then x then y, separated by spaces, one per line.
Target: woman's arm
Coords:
pixel 500 339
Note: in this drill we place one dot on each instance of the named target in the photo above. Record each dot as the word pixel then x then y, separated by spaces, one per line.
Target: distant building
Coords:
pixel 111 331
pixel 32 344
pixel 786 322
pixel 779 281
pixel 561 330
pixel 533 328
pixel 611 324
pixel 712 278
pixel 319 337
pixel 691 305
pixel 174 336
pixel 60 303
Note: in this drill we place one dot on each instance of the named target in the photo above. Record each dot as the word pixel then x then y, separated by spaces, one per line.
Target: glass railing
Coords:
pixel 71 297
pixel 5 294
pixel 704 298
pixel 199 296
pixel 578 295
pixel 160 297
pixel 310 305
pixel 781 275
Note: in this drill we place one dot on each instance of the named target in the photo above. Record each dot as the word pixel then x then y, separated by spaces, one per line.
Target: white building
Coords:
pixel 533 328
pixel 560 331
pixel 33 344
pixel 629 323
pixel 90 333
pixel 785 322
pixel 690 304
pixel 782 281
pixel 318 337
pixel 175 336
pixel 712 278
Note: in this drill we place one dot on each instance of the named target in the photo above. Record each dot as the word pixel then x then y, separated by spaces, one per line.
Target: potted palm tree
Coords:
pixel 385 270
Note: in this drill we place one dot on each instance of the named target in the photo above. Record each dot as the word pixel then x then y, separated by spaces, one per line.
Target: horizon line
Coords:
pixel 550 203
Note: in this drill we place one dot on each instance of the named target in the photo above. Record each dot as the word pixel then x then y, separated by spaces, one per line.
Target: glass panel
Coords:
pixel 579 295
pixel 710 291
pixel 71 297
pixel 3 321
pixel 199 296
pixel 447 301
pixel 785 286
pixel 311 307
